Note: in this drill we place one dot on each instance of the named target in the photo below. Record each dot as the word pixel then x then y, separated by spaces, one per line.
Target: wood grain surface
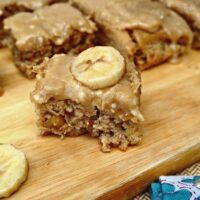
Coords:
pixel 75 168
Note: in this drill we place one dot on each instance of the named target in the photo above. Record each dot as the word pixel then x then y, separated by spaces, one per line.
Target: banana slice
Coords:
pixel 13 169
pixel 98 67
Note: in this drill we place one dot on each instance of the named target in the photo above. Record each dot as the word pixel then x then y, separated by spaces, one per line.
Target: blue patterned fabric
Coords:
pixel 175 188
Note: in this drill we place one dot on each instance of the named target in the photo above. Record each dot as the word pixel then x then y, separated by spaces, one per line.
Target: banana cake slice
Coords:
pixel 190 11
pixel 54 29
pixel 96 92
pixel 11 7
pixel 148 31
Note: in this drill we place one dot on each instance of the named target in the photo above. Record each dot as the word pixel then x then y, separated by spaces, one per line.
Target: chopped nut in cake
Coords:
pixel 190 11
pixel 96 92
pixel 59 28
pixel 147 31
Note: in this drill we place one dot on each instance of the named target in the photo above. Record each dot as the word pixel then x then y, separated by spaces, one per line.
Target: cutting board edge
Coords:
pixel 128 191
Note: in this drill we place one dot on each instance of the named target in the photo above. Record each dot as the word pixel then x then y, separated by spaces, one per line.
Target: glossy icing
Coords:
pixel 136 15
pixel 59 83
pixel 55 23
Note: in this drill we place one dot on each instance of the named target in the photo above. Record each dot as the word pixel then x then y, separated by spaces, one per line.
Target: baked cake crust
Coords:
pixel 147 31
pixel 59 28
pixel 66 107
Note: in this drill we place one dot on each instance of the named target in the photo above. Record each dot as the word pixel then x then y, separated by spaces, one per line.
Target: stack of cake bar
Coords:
pixel 87 56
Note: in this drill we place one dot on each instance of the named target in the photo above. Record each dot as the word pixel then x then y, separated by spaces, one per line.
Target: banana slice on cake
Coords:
pixel 98 67
pixel 13 169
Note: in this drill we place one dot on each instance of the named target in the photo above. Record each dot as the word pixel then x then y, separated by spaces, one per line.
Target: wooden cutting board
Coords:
pixel 75 169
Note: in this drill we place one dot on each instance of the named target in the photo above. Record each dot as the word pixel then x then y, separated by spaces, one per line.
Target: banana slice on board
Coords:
pixel 98 67
pixel 13 169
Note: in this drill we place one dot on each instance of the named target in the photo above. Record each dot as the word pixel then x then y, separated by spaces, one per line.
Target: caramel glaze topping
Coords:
pixel 188 8
pixel 54 23
pixel 133 15
pixel 28 4
pixel 121 99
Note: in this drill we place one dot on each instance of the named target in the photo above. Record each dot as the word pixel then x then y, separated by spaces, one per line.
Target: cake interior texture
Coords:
pixel 150 32
pixel 66 107
pixel 33 36
pixel 68 118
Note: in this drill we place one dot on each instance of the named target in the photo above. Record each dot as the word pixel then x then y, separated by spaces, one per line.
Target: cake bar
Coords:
pixel 190 11
pixel 11 7
pixel 147 31
pixel 97 92
pixel 59 28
